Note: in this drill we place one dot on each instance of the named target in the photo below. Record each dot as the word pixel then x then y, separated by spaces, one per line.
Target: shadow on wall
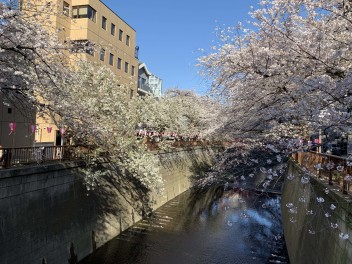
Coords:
pixel 47 214
pixel 121 200
pixel 203 164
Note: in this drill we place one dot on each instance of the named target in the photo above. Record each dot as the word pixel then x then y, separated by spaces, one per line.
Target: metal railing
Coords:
pixel 10 157
pixel 335 169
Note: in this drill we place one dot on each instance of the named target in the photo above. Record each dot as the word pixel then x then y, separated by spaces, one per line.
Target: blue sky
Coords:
pixel 170 33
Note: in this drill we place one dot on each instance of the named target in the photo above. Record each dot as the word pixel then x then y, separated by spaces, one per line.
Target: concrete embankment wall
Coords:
pixel 48 216
pixel 313 227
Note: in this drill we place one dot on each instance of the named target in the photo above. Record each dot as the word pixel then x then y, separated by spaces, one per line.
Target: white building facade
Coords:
pixel 148 83
pixel 156 84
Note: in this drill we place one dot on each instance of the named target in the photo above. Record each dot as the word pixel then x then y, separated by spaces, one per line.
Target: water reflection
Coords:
pixel 216 226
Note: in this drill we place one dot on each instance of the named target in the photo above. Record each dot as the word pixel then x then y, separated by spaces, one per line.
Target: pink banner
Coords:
pixel 62 131
pixel 12 127
pixel 32 128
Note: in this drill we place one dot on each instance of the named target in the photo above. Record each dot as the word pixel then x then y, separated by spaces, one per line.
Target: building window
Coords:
pixel 132 70
pixel 136 50
pixel 111 59
pixel 102 54
pixel 85 11
pixel 90 50
pixel 120 34
pixel 103 22
pixel 127 40
pixel 113 29
pixel 126 67
pixel 119 62
pixel 9 110
pixel 131 93
pixel 66 9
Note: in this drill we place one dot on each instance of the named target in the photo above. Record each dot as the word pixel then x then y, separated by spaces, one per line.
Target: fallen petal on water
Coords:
pixel 302 199
pixel 312 232
pixel 334 225
pixel 344 236
pixel 289 205
pixel 320 199
pixel 290 177
pixel 305 179
pixel 339 168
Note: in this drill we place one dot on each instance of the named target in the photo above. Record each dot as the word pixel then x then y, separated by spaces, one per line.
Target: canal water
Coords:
pixel 205 227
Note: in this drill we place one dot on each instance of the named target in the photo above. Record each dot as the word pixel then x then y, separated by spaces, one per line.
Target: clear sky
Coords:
pixel 170 33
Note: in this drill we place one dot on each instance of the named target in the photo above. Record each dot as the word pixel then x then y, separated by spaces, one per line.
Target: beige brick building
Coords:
pixel 82 21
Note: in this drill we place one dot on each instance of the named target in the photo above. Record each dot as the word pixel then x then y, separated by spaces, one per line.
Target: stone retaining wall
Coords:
pixel 48 216
pixel 312 228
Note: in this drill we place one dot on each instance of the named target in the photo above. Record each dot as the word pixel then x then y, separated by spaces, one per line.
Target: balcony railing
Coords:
pixel 145 88
pixel 36 155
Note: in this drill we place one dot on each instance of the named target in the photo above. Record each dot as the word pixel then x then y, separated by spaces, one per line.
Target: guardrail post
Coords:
pixel 330 172
pixel 320 161
pixel 330 178
pixel 344 187
pixel 344 182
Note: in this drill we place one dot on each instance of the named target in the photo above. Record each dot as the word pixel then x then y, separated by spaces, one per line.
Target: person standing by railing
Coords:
pixel 6 158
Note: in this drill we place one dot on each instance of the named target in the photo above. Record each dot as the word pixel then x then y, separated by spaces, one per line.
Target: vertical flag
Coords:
pixel 32 128
pixel 12 127
pixel 62 131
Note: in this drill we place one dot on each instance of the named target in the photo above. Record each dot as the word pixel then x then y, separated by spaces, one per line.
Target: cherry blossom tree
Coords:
pixel 31 59
pixel 103 115
pixel 291 69
pixel 284 76
pixel 289 74
pixel 182 112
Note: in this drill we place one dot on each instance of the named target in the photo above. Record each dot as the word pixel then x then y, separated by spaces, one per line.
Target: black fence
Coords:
pixel 10 157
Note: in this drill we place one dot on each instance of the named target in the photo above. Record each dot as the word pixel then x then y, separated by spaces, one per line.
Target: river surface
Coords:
pixel 208 227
